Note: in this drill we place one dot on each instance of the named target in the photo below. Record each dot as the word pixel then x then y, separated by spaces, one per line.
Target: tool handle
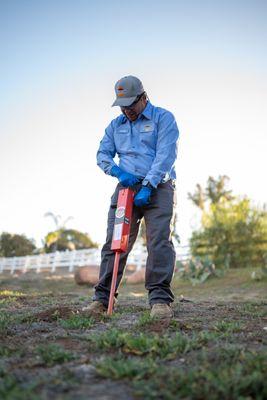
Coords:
pixel 113 282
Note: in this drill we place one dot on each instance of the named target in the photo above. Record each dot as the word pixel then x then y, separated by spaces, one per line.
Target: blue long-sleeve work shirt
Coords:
pixel 146 147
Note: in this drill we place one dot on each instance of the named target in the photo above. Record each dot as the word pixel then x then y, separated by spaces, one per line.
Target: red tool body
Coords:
pixel 121 233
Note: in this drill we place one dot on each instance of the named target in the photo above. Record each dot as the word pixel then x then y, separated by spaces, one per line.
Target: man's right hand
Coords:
pixel 125 178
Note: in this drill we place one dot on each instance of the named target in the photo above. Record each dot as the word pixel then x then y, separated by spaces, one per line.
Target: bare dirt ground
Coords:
pixel 214 348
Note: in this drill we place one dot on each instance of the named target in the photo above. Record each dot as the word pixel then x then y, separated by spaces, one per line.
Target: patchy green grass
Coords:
pixel 123 367
pixel 77 321
pixel 255 309
pixel 141 344
pixel 215 347
pixel 52 354
pixel 7 320
pixel 144 320
pixel 12 389
pixel 244 378
pixel 110 339
pixel 228 326
pixel 5 351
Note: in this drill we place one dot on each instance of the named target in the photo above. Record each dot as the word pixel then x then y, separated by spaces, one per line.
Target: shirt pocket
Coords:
pixel 122 138
pixel 148 134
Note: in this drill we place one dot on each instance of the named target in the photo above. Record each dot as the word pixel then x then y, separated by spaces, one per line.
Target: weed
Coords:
pixel 242 379
pixel 142 344
pixel 254 309
pixel 5 351
pixel 205 337
pixel 77 321
pixel 228 326
pixel 174 325
pixel 6 320
pixel 11 389
pixel 52 354
pixel 7 301
pixel 144 320
pixel 121 367
pixel 113 338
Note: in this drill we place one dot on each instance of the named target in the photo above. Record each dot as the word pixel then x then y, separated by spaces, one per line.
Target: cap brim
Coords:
pixel 124 101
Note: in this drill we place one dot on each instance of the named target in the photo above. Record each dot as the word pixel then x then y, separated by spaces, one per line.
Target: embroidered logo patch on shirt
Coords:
pixel 147 128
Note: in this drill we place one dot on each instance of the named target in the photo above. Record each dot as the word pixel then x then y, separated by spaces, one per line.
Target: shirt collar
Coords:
pixel 147 112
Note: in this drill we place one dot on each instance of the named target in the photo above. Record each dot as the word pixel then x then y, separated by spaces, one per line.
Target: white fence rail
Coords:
pixel 73 259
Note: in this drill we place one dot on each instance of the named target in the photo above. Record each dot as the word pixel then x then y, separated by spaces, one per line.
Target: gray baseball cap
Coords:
pixel 127 89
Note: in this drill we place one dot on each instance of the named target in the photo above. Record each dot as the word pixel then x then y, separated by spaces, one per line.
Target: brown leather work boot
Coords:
pixel 95 308
pixel 161 311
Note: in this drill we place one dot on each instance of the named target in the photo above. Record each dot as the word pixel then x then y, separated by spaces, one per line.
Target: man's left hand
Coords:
pixel 143 196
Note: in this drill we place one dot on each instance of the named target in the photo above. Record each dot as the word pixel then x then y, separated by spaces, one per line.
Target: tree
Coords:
pixel 58 220
pixel 216 189
pixel 67 239
pixel 232 231
pixel 198 198
pixel 12 245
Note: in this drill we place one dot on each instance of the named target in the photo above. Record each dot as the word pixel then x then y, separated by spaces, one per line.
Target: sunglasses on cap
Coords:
pixel 131 106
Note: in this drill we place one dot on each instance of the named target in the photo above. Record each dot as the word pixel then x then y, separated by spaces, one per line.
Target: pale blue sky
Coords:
pixel 205 61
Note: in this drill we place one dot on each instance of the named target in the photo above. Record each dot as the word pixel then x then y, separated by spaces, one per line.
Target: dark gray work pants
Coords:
pixel 159 218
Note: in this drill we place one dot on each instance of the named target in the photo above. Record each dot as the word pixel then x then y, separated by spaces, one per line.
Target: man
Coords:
pixel 145 139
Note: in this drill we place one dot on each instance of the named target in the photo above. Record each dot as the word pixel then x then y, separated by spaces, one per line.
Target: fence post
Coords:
pixel 55 261
pixel 72 260
pixel 38 264
pixel 26 263
pixel 13 265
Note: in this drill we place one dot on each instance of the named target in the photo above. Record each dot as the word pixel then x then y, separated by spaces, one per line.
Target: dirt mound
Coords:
pixel 52 314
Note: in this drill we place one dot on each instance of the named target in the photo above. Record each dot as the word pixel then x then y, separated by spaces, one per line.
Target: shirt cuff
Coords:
pixel 108 169
pixel 153 180
pixel 146 181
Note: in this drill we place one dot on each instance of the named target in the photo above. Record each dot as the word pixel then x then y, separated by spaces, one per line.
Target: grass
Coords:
pixel 228 326
pixel 243 379
pixel 5 351
pixel 9 297
pixel 52 354
pixel 256 309
pixel 7 319
pixel 144 320
pixel 110 339
pixel 77 321
pixel 121 367
pixel 143 344
pixel 11 389
pixel 213 349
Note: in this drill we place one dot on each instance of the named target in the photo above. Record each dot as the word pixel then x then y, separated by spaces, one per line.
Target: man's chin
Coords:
pixel 131 117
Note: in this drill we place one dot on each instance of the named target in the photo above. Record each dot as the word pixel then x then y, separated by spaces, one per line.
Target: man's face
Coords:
pixel 135 109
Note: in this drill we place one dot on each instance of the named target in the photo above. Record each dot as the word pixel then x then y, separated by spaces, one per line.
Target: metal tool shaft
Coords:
pixel 113 283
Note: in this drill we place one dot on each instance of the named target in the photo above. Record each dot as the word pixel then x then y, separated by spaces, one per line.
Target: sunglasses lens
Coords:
pixel 133 104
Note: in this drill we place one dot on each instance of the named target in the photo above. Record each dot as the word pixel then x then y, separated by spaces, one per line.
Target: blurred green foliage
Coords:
pixel 233 231
pixel 198 270
pixel 67 239
pixel 15 245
